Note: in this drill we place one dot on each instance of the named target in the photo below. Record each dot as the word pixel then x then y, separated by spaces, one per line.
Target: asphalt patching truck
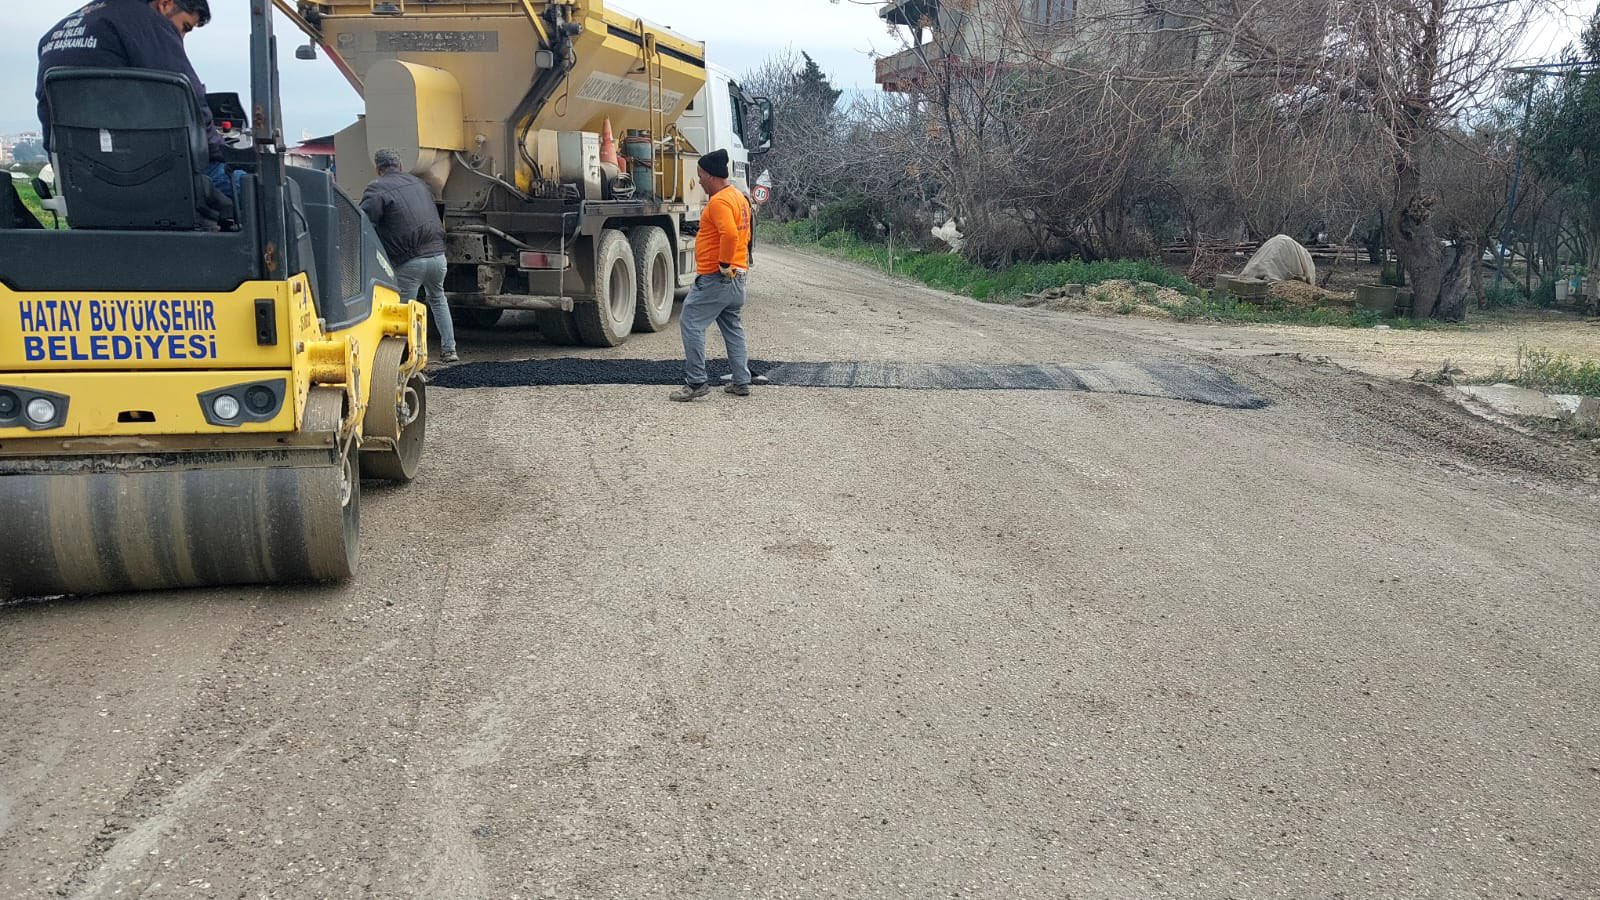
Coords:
pixel 505 109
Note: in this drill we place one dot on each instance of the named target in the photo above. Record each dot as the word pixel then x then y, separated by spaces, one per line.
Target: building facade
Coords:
pixel 967 35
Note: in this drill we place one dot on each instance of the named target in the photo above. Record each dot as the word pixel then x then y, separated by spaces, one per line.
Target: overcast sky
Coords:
pixel 841 36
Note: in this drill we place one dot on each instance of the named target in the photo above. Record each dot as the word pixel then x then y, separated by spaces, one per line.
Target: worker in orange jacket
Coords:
pixel 722 257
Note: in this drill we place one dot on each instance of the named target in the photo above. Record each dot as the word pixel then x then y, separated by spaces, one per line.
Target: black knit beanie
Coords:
pixel 715 163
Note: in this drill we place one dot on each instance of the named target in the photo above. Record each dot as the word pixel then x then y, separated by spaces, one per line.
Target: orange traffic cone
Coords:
pixel 608 145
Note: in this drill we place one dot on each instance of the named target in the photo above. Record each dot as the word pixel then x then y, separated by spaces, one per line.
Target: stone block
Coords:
pixel 1579 409
pixel 1253 290
pixel 1404 302
pixel 1510 400
pixel 1380 298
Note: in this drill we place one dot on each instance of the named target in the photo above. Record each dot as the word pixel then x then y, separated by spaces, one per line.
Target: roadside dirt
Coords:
pixel 1486 344
pixel 1479 349
pixel 851 642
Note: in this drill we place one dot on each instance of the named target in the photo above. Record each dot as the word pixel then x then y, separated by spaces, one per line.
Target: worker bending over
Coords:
pixel 403 211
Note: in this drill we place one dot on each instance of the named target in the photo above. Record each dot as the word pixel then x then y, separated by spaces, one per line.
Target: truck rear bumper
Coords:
pixel 512 301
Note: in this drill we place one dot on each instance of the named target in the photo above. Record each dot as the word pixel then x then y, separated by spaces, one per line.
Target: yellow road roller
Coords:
pixel 190 394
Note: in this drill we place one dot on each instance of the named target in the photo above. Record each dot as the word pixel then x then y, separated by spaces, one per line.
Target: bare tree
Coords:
pixel 1472 175
pixel 1397 73
pixel 805 160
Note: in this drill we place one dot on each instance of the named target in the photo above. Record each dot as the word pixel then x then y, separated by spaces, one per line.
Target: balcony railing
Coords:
pixel 897 72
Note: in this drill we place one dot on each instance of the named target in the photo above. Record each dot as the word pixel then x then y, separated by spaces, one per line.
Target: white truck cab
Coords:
pixel 724 117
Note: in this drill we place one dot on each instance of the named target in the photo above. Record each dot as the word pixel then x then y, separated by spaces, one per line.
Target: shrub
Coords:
pixel 1506 296
pixel 1556 373
pixel 856 214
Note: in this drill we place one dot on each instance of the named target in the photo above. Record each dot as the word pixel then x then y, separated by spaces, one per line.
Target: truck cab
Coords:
pixel 724 117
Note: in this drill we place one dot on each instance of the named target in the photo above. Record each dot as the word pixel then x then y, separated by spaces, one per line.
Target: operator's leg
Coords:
pixel 439 305
pixel 731 321
pixel 217 174
pixel 701 308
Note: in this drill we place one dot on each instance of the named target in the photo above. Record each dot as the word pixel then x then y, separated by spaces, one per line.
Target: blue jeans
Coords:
pixel 720 300
pixel 427 274
pixel 218 174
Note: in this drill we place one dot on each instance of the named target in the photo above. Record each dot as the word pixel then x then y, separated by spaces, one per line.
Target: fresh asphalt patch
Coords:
pixel 1171 380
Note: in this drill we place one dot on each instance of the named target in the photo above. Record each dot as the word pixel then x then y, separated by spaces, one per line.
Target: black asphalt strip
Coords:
pixel 1172 380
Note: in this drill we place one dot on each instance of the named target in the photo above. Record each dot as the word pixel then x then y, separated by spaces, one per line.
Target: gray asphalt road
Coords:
pixel 834 642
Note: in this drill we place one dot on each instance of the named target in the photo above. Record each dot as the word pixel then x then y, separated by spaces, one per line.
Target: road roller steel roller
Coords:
pixel 191 395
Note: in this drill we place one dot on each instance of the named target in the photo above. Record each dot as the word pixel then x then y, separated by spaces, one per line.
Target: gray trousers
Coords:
pixel 427 274
pixel 720 300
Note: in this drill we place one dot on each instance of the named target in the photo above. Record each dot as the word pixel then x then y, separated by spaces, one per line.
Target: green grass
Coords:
pixel 1229 309
pixel 1553 373
pixel 30 198
pixel 954 273
pixel 1550 372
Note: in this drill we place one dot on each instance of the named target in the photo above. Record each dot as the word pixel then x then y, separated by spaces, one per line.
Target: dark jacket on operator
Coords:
pixel 119 34
pixel 401 207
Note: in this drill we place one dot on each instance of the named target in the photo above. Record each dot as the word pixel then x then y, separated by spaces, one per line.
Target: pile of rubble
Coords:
pixel 1280 294
pixel 1117 297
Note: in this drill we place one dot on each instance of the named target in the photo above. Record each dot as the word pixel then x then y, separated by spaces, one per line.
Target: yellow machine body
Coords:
pixel 192 392
pixel 136 487
pixel 136 365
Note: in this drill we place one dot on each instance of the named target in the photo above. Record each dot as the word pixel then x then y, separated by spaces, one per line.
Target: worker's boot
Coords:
pixel 690 392
pixel 738 390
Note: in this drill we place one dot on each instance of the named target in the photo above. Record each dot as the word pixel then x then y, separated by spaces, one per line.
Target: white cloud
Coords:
pixel 1550 34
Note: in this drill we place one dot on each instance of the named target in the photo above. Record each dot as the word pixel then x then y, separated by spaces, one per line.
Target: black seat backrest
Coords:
pixel 13 212
pixel 129 146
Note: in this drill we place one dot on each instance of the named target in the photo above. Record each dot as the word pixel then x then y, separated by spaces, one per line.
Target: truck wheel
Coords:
pixel 557 327
pixel 658 278
pixel 475 317
pixel 608 320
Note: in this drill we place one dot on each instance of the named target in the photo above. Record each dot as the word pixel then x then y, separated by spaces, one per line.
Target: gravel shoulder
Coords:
pixel 828 642
pixel 1479 348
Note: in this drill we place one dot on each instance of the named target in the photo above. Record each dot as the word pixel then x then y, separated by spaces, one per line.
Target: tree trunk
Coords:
pixel 1374 242
pixel 1438 285
pixel 1416 244
pixel 1476 285
pixel 1459 276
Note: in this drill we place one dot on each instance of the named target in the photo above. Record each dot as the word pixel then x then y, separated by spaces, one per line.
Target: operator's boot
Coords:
pixel 690 392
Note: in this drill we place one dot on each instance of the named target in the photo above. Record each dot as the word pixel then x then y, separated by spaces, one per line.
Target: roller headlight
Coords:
pixel 260 400
pixel 31 408
pixel 226 407
pixel 41 411
pixel 251 403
